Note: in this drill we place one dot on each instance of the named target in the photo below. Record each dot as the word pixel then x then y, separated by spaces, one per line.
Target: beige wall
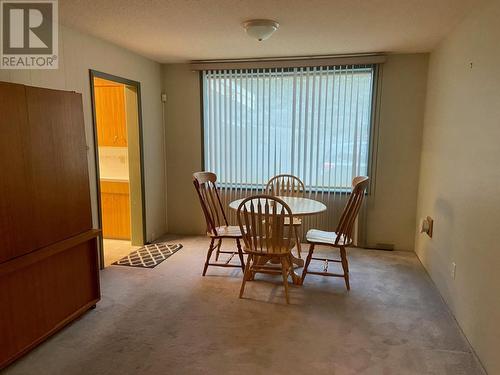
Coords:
pixel 391 209
pixel 392 204
pixel 460 178
pixel 184 148
pixel 79 53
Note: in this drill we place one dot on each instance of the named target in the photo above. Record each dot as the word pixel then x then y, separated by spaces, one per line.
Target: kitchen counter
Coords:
pixel 113 179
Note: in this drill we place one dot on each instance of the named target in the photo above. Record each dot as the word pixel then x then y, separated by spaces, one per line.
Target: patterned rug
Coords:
pixel 149 256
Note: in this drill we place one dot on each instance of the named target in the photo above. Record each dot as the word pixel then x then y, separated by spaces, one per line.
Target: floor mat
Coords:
pixel 149 256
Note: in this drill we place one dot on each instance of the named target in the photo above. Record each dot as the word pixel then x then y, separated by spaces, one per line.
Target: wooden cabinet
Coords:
pixel 48 249
pixel 115 201
pixel 110 114
pixel 44 191
pixel 43 291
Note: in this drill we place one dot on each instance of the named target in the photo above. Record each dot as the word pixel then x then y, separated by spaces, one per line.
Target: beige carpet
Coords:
pixel 171 320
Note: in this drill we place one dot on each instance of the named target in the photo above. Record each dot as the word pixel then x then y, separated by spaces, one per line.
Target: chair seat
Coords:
pixel 323 237
pixel 231 231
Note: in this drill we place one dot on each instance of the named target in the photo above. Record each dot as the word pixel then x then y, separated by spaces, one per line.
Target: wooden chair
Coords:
pixel 217 224
pixel 287 185
pixel 342 237
pixel 266 236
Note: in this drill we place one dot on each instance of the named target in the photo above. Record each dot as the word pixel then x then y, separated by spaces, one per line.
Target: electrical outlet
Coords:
pixel 453 270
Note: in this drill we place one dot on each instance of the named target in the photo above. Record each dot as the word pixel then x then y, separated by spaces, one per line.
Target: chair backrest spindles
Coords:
pixel 211 204
pixel 285 185
pixel 347 220
pixel 262 222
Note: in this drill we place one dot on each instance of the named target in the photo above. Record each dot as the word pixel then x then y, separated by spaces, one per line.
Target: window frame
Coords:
pixel 372 143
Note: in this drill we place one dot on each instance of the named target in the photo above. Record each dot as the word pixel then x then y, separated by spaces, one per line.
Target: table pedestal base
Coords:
pixel 298 262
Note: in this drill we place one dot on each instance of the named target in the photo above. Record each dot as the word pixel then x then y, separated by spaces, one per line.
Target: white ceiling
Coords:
pixel 180 30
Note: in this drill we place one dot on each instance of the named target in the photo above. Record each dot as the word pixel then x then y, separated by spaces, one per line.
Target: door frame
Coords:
pixel 137 85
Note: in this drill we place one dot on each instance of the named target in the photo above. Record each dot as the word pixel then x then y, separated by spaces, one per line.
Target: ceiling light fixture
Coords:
pixel 260 29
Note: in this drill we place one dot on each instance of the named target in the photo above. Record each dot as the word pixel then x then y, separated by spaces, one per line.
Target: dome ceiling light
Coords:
pixel 260 29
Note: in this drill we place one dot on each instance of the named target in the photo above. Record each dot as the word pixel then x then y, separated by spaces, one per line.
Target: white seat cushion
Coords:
pixel 320 236
pixel 296 221
pixel 230 231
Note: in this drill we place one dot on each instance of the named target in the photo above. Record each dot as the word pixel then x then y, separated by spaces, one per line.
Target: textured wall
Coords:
pixel 460 178
pixel 391 207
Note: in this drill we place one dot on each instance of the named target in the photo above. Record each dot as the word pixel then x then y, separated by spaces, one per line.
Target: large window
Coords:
pixel 311 122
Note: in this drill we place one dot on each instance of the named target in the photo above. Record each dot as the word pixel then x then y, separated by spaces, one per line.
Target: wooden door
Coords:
pixel 57 149
pixel 44 194
pixel 16 200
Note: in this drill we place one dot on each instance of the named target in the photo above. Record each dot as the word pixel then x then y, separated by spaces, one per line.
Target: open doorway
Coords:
pixel 119 164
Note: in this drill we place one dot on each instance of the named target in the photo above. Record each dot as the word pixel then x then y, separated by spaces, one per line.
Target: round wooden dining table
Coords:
pixel 299 207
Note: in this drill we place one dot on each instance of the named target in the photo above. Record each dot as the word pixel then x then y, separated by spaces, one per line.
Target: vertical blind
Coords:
pixel 312 122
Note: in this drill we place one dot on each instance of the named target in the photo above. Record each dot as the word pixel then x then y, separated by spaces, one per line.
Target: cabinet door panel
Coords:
pixel 56 142
pixel 115 201
pixel 110 114
pixel 16 185
pixel 42 297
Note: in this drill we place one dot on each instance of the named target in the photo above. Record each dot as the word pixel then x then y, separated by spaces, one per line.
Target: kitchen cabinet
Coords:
pixel 115 201
pixel 110 115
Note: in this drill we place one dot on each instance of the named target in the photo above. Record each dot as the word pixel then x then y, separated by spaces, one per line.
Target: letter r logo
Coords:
pixel 27 27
